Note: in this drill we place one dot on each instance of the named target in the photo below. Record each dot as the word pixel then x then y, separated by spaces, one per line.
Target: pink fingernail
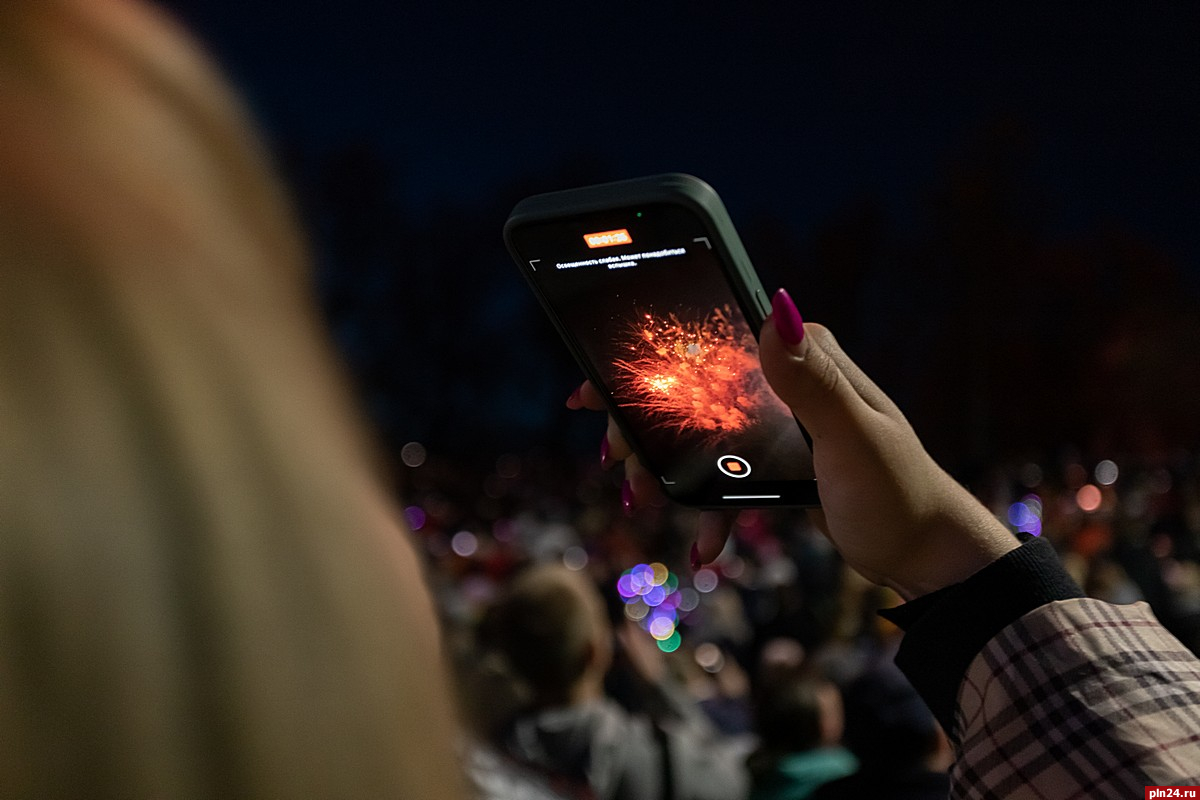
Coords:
pixel 605 461
pixel 695 558
pixel 627 498
pixel 788 321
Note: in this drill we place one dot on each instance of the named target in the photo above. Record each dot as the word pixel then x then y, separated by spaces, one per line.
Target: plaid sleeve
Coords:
pixel 944 631
pixel 1078 699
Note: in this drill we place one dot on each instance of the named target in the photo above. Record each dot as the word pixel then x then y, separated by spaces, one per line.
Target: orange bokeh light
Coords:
pixel 1088 497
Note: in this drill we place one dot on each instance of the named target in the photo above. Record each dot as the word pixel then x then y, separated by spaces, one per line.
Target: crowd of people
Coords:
pixel 778 602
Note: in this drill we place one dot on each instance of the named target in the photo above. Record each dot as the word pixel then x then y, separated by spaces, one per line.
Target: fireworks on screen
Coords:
pixel 691 375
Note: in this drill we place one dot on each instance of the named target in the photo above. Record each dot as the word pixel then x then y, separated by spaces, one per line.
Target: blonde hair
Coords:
pixel 204 586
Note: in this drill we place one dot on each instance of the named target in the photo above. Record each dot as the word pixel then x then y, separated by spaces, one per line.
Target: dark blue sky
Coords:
pixel 796 108
pixel 927 172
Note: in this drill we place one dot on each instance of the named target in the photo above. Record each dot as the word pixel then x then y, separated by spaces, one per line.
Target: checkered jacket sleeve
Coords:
pixel 1047 694
pixel 1078 699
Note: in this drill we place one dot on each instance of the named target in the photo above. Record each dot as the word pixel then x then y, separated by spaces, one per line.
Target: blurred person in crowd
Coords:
pixel 901 750
pixel 862 639
pixel 205 590
pixel 551 627
pixel 999 640
pixel 799 720
pixel 728 702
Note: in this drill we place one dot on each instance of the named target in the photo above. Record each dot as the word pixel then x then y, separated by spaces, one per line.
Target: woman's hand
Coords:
pixel 895 516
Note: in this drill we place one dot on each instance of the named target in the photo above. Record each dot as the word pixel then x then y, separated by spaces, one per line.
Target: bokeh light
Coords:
pixel 415 517
pixel 1088 497
pixel 496 487
pixel 709 657
pixel 1106 472
pixel 1075 475
pixel 641 578
pixel 705 580
pixel 653 601
pixel 504 531
pixel 1026 515
pixel 689 599
pixel 671 643
pixel 1161 480
pixel 508 466
pixel 1031 475
pixel 464 543
pixel 575 558
pixel 413 454
pixel 734 567
pixel 661 627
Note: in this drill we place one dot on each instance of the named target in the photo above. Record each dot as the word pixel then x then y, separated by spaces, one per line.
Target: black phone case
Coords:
pixel 677 188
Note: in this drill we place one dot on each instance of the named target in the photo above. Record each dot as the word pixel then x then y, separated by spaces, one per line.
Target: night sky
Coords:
pixel 792 107
pixel 1075 125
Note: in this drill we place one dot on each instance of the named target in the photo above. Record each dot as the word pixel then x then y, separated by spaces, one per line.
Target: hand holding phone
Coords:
pixel 651 289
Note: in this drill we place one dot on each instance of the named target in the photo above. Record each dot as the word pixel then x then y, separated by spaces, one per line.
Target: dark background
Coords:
pixel 993 206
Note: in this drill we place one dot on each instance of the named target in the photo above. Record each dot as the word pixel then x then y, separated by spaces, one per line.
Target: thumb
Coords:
pixel 807 369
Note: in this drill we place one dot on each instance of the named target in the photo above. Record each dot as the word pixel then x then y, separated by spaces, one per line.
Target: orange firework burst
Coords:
pixel 692 375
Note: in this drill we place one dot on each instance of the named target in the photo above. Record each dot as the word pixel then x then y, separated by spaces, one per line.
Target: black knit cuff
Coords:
pixel 946 629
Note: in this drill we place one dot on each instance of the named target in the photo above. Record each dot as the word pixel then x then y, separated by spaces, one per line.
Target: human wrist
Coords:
pixel 959 542
pixel 944 630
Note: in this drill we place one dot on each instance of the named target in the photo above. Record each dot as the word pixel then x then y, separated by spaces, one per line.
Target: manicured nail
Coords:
pixel 627 498
pixel 788 321
pixel 695 558
pixel 605 461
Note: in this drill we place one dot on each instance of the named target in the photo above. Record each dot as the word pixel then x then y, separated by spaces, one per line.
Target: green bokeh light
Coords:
pixel 670 644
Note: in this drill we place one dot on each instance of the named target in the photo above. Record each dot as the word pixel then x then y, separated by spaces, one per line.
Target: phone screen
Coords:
pixel 642 296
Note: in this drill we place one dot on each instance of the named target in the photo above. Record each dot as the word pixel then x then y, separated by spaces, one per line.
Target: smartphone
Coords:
pixel 651 289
